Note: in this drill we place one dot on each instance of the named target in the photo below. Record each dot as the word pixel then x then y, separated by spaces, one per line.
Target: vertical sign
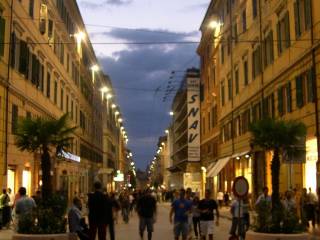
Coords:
pixel 193 98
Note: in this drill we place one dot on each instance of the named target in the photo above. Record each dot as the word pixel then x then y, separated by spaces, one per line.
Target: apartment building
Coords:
pixel 46 59
pixel 259 59
pixel 186 168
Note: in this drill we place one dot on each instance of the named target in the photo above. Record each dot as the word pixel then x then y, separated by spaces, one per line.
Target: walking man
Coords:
pixel 207 207
pixel 147 210
pixel 180 208
pixel 100 212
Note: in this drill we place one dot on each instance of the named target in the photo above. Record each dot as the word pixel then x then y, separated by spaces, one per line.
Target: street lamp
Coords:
pixel 113 106
pixel 95 68
pixel 214 24
pixel 120 120
pixel 166 131
pixel 132 163
pixel 204 176
pixel 117 113
pixel 103 91
pixel 80 36
pixel 171 113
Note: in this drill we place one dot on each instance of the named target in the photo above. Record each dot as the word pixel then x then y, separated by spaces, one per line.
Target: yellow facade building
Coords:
pixel 47 68
pixel 259 59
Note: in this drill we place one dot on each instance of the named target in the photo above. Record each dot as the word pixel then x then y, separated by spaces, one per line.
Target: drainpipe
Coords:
pixel 7 97
pixel 315 96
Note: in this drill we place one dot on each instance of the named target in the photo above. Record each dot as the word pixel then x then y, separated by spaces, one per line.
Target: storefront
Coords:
pixel 310 167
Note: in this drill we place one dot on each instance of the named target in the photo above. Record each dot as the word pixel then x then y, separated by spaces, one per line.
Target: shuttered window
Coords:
pixel 280 101
pixel 48 85
pixel 302 16
pixel 283 33
pixel 289 97
pixel 310 85
pixel 299 91
pixel 14 119
pixel 2 35
pixel 24 58
pixel 35 70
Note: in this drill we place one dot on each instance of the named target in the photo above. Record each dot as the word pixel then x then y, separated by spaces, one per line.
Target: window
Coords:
pixel 283 32
pixel 214 116
pixel 256 62
pixel 76 114
pixel 41 77
pixel 2 35
pixel 280 101
pixel 256 112
pixel 61 99
pixel 14 122
pixel 35 70
pixel 67 104
pixel 245 121
pixel 222 93
pixel 236 80
pixel 72 109
pixel 229 88
pixel 235 33
pixel 299 91
pixel 237 126
pixel 245 72
pixel 244 20
pixel 302 16
pixel 209 121
pixel 61 53
pixel 82 120
pixel 222 51
pixel 68 62
pixel 268 106
pixel 311 85
pixel 24 58
pixel 289 97
pixel 55 93
pixel 268 48
pixel 48 84
pixel 254 8
pixel 31 8
pixel 228 45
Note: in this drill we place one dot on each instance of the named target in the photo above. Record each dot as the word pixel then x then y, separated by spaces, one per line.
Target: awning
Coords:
pixel 217 167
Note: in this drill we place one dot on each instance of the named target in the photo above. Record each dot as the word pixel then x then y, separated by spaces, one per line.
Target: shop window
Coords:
pixel 302 16
pixel 283 32
pixel 2 34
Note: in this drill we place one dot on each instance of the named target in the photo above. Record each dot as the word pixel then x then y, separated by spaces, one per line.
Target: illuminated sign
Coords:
pixel 70 156
pixel 119 177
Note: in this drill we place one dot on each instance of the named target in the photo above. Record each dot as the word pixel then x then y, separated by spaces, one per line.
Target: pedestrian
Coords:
pixel 238 221
pixel 196 216
pixel 190 223
pixel 125 206
pixel 24 208
pixel 5 208
pixel 318 207
pixel 207 206
pixel 304 208
pixel 264 197
pixel 226 199
pixel 220 198
pixel 311 207
pixel 180 209
pixel 115 209
pixel 100 213
pixel 76 220
pixel 147 211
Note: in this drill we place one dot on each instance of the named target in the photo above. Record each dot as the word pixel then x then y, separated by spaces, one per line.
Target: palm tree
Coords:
pixel 278 136
pixel 41 135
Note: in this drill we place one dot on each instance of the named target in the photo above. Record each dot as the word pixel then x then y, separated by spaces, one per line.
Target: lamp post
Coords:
pixel 95 68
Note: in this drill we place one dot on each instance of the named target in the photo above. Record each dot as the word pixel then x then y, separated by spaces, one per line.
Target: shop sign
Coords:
pixel 193 99
pixel 119 177
pixel 70 156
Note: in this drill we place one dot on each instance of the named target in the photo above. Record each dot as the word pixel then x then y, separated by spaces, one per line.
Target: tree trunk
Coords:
pixel 46 174
pixel 276 204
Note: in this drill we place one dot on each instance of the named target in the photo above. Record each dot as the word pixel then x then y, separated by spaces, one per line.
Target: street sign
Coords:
pixel 240 187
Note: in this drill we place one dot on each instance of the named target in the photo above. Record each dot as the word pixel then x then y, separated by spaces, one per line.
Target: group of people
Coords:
pixel 13 206
pixel 188 212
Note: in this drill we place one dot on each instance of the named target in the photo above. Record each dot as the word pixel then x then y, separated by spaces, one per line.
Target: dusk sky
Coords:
pixel 138 70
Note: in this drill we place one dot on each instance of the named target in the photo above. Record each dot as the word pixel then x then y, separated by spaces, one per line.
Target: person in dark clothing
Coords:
pixel 206 207
pixel 76 220
pixel 5 208
pixel 115 209
pixel 100 212
pixel 147 209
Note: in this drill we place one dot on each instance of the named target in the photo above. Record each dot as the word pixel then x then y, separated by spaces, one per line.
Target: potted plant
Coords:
pixel 278 136
pixel 46 137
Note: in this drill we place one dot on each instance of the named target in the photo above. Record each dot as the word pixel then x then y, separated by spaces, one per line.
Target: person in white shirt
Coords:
pixel 220 198
pixel 264 196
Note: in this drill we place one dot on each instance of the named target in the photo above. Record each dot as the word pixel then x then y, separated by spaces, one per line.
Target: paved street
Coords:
pixel 163 229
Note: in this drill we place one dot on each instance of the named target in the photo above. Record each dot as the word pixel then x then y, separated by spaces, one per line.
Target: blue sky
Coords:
pixel 138 70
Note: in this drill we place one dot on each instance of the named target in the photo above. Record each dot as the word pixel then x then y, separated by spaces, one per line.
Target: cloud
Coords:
pixel 196 7
pixel 136 72
pixel 90 4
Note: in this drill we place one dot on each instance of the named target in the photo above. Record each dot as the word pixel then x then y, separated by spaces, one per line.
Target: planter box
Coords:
pixel 274 236
pixel 65 236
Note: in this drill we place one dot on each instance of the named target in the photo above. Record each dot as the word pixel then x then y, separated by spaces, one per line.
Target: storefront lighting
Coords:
pixel 238 158
pixel 214 24
pixel 247 156
pixel 203 169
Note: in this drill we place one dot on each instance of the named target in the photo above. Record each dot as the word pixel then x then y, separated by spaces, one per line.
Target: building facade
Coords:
pixel 46 59
pixel 186 168
pixel 261 60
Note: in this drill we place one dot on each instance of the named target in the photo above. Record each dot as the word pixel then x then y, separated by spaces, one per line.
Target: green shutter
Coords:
pixel 287 29
pixel 299 91
pixel 2 35
pixel 310 85
pixel 23 57
pixel 13 50
pixel 279 38
pixel 308 13
pixel 289 97
pixel 280 101
pixel 297 19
